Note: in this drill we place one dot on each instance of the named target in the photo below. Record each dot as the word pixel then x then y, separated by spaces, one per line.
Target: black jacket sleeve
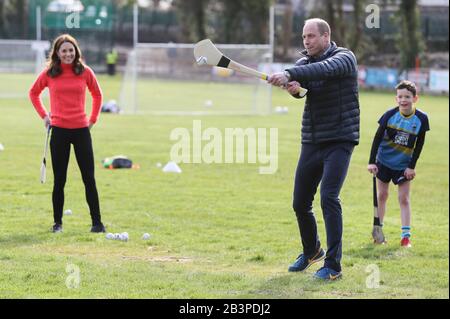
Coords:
pixel 376 144
pixel 339 65
pixel 417 150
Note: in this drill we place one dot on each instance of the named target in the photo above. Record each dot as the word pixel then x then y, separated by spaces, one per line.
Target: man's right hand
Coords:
pixel 372 168
pixel 278 79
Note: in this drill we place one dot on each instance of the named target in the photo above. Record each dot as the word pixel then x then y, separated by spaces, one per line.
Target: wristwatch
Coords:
pixel 288 75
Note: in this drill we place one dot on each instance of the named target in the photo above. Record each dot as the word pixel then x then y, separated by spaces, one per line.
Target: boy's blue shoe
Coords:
pixel 325 273
pixel 303 262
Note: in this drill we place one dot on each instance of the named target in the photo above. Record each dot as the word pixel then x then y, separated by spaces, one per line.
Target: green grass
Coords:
pixel 218 231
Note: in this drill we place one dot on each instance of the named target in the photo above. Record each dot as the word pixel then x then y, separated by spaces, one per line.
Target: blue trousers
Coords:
pixel 326 164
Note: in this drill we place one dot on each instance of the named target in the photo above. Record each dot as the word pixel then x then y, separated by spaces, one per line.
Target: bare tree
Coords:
pixel 14 18
pixel 287 28
pixel 341 23
pixel 191 14
pixel 336 20
pixel 2 19
pixel 330 18
pixel 355 41
pixel 22 17
pixel 243 21
pixel 257 15
pixel 409 40
pixel 232 18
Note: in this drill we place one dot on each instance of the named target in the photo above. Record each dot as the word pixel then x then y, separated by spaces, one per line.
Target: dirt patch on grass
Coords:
pixel 159 258
pixel 152 254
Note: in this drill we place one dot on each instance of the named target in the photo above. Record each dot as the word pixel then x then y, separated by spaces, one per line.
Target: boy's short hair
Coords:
pixel 410 86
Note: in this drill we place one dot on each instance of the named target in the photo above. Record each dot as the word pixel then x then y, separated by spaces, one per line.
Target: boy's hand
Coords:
pixel 373 169
pixel 409 173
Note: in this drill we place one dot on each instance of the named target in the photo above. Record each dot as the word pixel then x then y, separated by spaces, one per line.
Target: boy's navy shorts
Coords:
pixel 385 174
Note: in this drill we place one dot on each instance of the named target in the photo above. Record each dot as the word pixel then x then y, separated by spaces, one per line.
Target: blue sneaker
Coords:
pixel 303 262
pixel 325 273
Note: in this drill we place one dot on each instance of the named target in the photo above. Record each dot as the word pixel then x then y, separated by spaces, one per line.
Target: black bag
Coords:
pixel 117 162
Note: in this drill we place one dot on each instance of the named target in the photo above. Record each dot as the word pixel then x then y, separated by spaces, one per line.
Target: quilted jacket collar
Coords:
pixel 325 55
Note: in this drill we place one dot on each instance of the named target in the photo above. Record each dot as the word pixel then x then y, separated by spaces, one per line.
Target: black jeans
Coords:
pixel 60 152
pixel 326 164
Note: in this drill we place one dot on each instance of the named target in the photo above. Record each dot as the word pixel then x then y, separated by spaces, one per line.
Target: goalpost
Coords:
pixel 20 61
pixel 163 78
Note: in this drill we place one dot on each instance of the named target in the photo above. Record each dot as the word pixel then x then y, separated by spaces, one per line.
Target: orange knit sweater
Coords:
pixel 67 97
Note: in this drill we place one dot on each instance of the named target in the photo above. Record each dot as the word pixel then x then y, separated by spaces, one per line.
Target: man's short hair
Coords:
pixel 410 86
pixel 322 25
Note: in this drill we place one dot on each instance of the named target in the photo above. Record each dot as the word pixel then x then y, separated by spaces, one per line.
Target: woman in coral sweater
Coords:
pixel 67 78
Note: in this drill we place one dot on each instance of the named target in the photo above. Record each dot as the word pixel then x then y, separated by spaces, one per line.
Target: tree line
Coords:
pixel 247 21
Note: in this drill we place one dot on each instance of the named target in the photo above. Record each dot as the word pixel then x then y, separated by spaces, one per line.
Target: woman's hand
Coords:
pixel 47 121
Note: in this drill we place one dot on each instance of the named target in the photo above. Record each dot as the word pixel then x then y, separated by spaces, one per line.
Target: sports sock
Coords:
pixel 406 231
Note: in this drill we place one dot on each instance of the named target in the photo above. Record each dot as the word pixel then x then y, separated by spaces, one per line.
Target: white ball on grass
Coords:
pixel 146 236
pixel 109 236
pixel 68 212
pixel 124 236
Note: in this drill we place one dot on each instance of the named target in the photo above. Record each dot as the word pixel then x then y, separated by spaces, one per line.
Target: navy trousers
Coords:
pixel 326 164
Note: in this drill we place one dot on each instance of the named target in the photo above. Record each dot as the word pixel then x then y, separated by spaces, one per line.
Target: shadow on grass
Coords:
pixel 16 240
pixel 372 251
pixel 289 286
pixel 42 237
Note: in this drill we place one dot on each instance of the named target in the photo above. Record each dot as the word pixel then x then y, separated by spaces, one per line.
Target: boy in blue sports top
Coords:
pixel 395 150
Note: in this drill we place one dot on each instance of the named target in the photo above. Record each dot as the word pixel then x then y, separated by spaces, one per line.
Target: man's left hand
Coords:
pixel 278 79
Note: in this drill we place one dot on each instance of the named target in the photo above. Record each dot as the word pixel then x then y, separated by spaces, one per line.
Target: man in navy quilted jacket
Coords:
pixel 330 131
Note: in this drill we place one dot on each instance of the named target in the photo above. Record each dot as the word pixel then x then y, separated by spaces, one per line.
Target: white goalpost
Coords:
pixel 20 59
pixel 164 78
pixel 22 56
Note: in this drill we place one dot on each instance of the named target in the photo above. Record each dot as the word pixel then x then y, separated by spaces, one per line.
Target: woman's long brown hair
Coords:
pixel 54 63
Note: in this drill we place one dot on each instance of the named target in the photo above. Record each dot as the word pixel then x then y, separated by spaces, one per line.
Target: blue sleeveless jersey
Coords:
pixel 400 137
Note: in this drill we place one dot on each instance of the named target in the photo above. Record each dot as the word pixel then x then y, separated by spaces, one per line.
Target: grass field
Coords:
pixel 218 231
